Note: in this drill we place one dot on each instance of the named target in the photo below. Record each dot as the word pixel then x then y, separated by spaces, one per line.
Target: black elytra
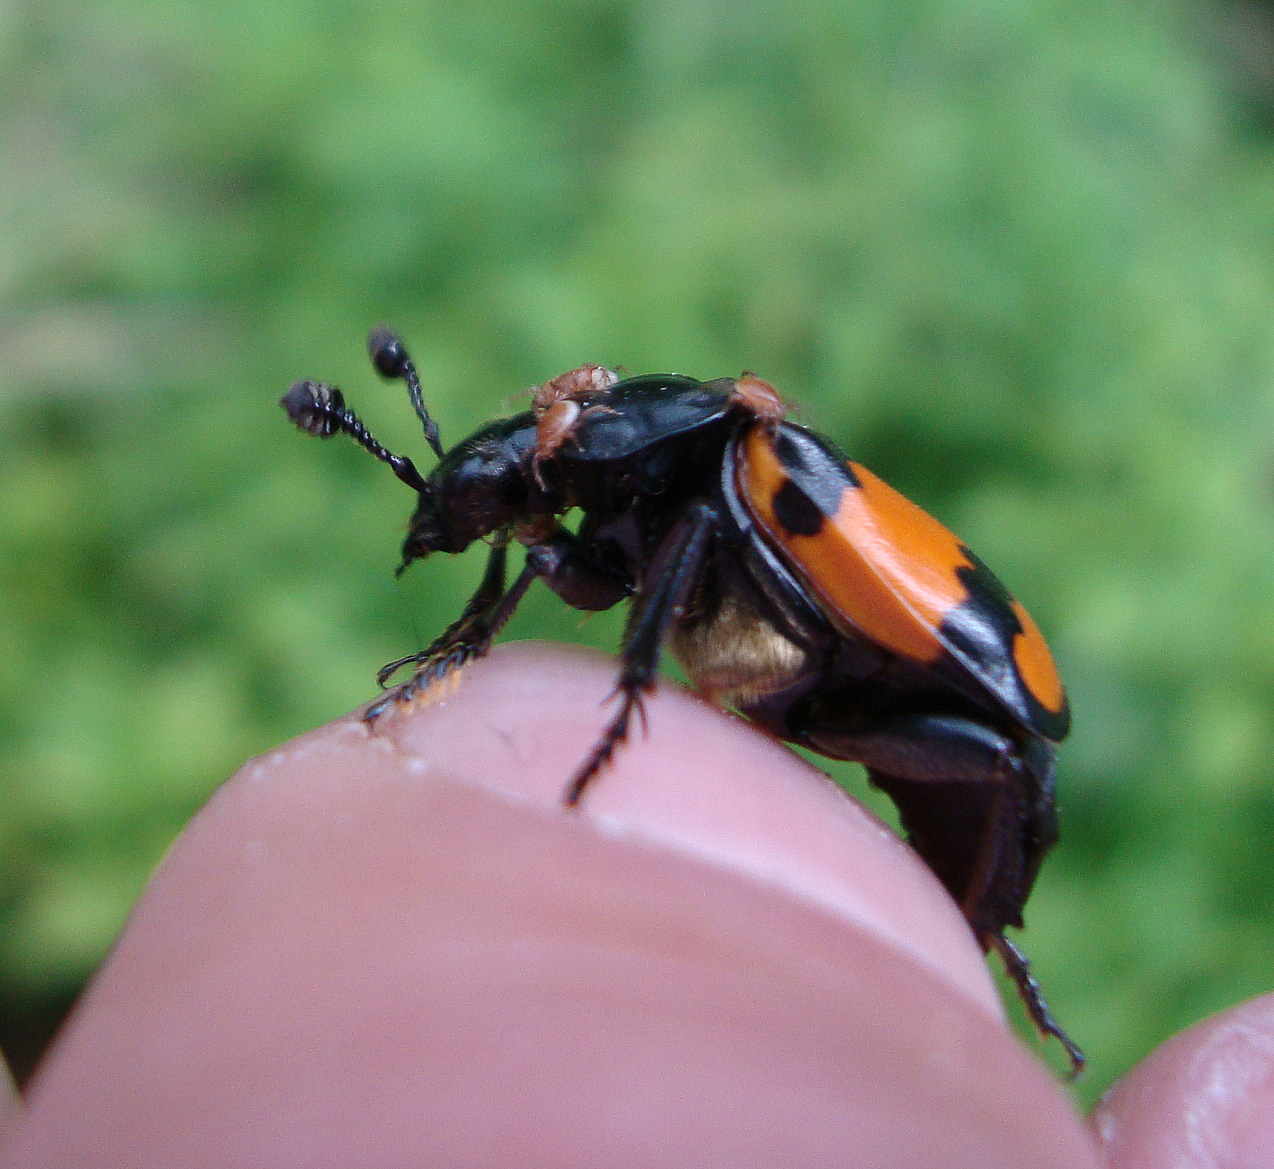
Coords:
pixel 790 583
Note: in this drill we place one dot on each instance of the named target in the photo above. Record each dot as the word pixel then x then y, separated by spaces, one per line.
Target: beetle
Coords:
pixel 789 582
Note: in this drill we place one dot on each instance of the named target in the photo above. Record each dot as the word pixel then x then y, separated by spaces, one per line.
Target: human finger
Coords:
pixel 397 948
pixel 1203 1100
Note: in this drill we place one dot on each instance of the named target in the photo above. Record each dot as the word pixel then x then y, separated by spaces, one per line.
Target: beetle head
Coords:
pixel 479 487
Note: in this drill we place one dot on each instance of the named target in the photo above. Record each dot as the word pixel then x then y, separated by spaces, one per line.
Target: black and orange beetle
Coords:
pixel 790 583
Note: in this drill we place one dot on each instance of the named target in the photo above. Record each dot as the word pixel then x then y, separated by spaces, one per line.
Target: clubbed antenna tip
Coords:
pixel 388 353
pixel 315 407
pixel 392 361
pixel 319 409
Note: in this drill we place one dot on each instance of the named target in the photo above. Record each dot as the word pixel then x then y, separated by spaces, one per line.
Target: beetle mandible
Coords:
pixel 790 583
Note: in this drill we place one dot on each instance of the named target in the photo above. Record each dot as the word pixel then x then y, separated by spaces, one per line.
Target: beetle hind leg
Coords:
pixel 978 808
pixel 967 796
pixel 1028 990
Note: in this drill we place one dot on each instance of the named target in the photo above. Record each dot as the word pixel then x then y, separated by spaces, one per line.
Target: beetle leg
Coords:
pixel 561 560
pixel 488 594
pixel 978 809
pixel 963 792
pixel 665 590
pixel 467 638
pixel 1019 970
pixel 583 581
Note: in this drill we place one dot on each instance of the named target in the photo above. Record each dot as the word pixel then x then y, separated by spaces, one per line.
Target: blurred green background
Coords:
pixel 1016 255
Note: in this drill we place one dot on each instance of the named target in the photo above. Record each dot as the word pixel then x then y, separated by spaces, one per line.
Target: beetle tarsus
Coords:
pixel 615 735
pixel 430 672
pixel 665 592
pixel 1028 989
pixel 467 639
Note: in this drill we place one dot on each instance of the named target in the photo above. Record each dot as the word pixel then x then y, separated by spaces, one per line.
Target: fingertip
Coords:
pixel 696 779
pixel 1202 1099
pixel 10 1101
pixel 392 945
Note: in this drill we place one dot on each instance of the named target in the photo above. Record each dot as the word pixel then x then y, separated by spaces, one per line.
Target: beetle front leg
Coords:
pixel 560 560
pixel 489 593
pixel 467 638
pixel 666 588
pixel 577 576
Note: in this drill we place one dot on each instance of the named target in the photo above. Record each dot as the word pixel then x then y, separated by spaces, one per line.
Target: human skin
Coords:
pixel 1203 1099
pixel 397 948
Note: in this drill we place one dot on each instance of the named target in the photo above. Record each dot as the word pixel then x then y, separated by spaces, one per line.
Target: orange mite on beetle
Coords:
pixel 790 583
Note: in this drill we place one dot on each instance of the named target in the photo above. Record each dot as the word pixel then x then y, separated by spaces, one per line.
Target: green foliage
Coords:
pixel 1013 254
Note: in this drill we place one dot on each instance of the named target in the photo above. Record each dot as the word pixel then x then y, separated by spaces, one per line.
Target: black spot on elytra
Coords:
pixel 796 511
pixel 981 629
pixel 818 475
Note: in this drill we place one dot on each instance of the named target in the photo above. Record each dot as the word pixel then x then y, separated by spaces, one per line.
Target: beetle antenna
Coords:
pixel 393 363
pixel 319 409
